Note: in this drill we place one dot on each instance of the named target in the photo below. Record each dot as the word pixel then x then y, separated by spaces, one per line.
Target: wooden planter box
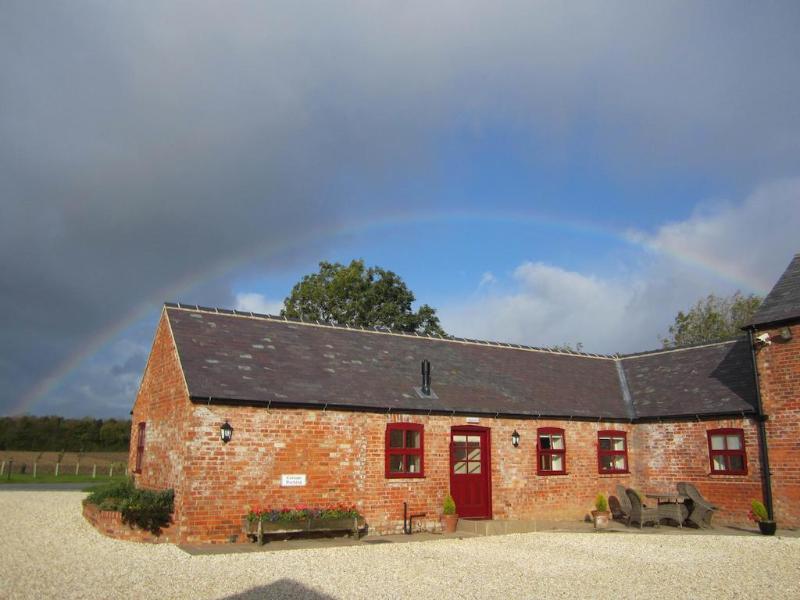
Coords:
pixel 259 529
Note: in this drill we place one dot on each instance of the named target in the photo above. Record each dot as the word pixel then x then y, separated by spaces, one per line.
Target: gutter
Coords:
pixel 763 451
pixel 469 413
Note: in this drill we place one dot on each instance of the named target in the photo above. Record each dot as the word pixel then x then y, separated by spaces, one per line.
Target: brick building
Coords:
pixel 325 414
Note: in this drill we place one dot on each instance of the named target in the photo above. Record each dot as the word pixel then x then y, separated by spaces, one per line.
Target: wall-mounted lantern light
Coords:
pixel 515 438
pixel 226 432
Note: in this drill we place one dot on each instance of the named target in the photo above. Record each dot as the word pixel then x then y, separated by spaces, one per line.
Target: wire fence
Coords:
pixel 86 469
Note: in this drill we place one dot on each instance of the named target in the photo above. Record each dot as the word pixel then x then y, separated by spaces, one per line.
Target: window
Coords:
pixel 139 448
pixel 404 450
pixel 612 451
pixel 550 451
pixel 726 450
pixel 466 454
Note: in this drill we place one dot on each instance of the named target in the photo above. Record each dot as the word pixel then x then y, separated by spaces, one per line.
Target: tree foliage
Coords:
pixel 57 433
pixel 359 296
pixel 712 319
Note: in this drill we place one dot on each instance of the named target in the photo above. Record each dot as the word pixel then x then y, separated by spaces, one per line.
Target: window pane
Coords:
pixel 475 454
pixel 557 463
pixel 545 462
pixel 396 463
pixel 460 453
pixel 474 439
pixel 619 463
pixel 605 443
pixel 557 441
pixel 734 442
pixel 460 467
pixel 396 438
pixel 736 462
pixel 412 439
pixel 607 462
pixel 413 463
pixel 474 467
pixel 719 463
pixel 619 443
pixel 718 442
pixel 544 442
pixel 459 438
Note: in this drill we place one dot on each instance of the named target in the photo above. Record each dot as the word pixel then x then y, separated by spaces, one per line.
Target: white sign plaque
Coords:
pixel 473 420
pixel 296 480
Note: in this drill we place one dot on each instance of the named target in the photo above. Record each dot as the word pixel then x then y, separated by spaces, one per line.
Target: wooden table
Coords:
pixel 671 506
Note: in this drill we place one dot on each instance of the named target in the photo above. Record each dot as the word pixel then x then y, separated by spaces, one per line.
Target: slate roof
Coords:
pixel 229 357
pixel 783 301
pixel 708 379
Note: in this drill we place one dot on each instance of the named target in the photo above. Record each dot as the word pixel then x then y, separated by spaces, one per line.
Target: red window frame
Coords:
pixel 562 452
pixel 140 447
pixel 405 452
pixel 742 451
pixel 601 452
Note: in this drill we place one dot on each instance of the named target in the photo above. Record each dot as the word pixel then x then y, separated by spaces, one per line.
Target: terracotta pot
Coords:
pixel 600 519
pixel 449 523
pixel 767 527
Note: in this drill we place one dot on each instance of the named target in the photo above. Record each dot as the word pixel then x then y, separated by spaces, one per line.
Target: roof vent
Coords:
pixel 425 390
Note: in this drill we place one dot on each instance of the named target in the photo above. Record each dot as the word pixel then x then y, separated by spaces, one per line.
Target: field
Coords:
pixel 73 466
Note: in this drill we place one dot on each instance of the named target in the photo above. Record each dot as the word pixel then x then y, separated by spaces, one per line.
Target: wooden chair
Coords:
pixel 639 512
pixel 701 510
pixel 620 506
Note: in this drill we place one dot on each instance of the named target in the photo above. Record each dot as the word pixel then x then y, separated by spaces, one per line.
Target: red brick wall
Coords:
pixel 163 404
pixel 779 372
pixel 678 451
pixel 342 454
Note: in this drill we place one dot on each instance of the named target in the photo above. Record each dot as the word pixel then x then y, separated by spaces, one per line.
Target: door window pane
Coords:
pixel 460 467
pixel 474 468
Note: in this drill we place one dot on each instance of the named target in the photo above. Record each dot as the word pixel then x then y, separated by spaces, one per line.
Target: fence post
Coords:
pixel 10 468
pixel 57 465
pixel 111 471
pixel 126 471
pixel 94 471
pixel 34 469
pixel 77 467
pixel 2 468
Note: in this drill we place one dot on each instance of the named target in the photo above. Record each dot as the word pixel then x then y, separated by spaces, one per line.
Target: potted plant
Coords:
pixel 601 514
pixel 758 513
pixel 449 516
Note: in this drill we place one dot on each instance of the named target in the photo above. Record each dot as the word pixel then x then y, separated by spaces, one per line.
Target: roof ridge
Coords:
pixel 380 330
pixel 680 348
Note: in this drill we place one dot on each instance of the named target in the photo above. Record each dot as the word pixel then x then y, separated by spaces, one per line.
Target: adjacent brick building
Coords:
pixel 349 414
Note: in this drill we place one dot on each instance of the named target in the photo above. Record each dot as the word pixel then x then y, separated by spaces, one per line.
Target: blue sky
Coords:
pixel 538 172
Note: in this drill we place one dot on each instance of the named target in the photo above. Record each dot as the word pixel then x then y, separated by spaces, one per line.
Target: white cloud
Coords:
pixel 487 278
pixel 718 249
pixel 253 302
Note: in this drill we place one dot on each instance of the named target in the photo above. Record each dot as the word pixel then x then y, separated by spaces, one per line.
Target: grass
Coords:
pixel 65 478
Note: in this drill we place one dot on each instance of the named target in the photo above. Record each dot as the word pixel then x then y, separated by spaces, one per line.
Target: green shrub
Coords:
pixel 146 509
pixel 600 503
pixel 117 490
pixel 759 510
pixel 449 506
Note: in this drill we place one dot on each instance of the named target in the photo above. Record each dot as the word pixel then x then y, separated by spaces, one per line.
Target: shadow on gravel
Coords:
pixel 283 588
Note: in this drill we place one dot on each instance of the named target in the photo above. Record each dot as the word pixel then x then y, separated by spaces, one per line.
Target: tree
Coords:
pixel 359 296
pixel 712 319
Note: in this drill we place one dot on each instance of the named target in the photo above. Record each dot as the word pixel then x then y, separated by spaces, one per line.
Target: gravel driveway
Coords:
pixel 50 551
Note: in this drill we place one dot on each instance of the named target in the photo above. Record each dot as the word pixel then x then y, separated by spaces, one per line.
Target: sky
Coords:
pixel 539 172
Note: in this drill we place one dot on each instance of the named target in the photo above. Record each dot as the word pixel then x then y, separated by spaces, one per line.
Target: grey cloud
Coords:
pixel 145 144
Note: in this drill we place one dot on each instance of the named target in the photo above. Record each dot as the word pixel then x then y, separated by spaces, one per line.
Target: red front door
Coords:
pixel 470 471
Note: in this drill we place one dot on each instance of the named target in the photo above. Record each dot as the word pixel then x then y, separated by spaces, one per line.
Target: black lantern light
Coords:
pixel 515 438
pixel 226 432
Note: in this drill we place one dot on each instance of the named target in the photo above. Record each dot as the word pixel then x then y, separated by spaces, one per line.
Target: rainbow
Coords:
pixel 94 343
